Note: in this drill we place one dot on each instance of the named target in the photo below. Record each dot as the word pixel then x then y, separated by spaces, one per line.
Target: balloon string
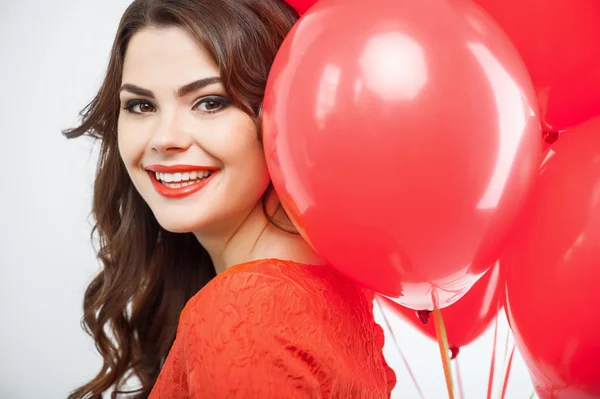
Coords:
pixel 507 373
pixel 505 353
pixel 440 332
pixel 491 379
pixel 459 380
pixel 506 347
pixel 389 329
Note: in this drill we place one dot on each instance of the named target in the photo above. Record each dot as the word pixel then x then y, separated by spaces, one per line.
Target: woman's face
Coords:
pixel 195 159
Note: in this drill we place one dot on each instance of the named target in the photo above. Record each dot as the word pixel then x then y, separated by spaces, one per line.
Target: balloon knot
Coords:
pixel 454 352
pixel 551 137
pixel 423 315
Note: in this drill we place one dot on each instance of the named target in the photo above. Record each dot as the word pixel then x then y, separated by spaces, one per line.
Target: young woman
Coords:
pixel 182 194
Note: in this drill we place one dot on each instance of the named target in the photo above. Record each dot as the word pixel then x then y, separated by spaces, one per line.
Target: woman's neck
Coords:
pixel 255 237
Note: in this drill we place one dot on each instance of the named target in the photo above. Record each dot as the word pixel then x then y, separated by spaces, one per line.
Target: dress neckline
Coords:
pixel 270 261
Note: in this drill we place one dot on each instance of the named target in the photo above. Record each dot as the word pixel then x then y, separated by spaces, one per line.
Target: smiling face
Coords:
pixel 194 158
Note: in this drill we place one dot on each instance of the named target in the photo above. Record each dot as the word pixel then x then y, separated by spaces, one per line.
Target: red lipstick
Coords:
pixel 179 192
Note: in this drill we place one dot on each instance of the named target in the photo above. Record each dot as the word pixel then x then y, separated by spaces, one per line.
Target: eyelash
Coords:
pixel 216 99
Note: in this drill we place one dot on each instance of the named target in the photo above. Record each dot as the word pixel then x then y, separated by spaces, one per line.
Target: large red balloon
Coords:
pixel 559 41
pixel 552 270
pixel 466 319
pixel 402 137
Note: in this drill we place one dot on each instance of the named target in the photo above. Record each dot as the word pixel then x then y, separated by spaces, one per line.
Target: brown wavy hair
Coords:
pixel 148 273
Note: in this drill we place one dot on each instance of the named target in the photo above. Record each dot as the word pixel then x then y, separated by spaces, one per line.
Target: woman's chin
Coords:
pixel 179 226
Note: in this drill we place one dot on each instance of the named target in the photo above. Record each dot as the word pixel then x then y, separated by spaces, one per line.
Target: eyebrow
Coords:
pixel 181 92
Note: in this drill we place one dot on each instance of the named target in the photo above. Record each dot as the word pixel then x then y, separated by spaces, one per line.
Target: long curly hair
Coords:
pixel 132 307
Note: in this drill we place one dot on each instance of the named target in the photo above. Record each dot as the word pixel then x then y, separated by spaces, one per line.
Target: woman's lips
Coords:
pixel 179 181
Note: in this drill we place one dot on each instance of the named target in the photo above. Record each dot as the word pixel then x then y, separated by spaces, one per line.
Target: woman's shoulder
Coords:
pixel 311 319
pixel 264 281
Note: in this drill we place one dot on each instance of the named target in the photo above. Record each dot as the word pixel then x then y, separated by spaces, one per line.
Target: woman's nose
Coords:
pixel 170 136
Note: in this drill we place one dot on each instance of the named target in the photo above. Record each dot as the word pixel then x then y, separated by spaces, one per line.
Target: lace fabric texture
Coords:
pixel 277 329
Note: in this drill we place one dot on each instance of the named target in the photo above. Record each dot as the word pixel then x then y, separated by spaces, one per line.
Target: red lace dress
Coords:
pixel 276 329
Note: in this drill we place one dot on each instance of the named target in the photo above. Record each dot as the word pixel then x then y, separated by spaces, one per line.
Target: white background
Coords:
pixel 52 58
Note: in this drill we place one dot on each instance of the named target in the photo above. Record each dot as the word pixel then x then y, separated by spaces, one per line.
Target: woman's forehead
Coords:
pixel 170 56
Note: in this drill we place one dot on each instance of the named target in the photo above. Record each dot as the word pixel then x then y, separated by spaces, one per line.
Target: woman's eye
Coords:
pixel 211 104
pixel 139 107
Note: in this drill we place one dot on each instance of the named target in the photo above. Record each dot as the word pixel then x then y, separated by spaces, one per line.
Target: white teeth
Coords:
pixel 177 180
pixel 182 177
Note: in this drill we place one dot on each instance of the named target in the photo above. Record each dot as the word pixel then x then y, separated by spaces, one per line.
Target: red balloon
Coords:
pixel 466 319
pixel 301 5
pixel 559 41
pixel 402 137
pixel 552 270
